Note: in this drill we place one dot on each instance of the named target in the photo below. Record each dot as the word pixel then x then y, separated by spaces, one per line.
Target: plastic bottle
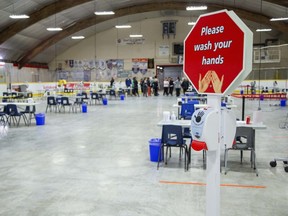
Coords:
pixel 173 116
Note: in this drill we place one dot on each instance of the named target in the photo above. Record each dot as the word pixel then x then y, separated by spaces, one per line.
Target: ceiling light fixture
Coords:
pixel 193 8
pixel 279 19
pixel 263 30
pixel 123 26
pixel 54 29
pixel 104 13
pixel 19 16
pixel 77 37
pixel 191 23
pixel 136 35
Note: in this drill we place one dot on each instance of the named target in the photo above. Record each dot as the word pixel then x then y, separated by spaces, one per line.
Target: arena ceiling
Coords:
pixel 27 41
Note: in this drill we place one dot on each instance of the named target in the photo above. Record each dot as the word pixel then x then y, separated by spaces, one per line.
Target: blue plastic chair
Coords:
pixel 14 115
pixel 172 137
pixel 64 103
pixel 112 93
pixel 187 109
pixel 51 102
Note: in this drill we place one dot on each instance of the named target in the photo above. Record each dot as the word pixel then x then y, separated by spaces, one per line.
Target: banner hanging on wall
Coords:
pixel 130 41
pixel 87 70
pixel 140 65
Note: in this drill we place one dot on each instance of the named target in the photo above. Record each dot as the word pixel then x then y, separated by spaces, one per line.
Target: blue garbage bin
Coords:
pixel 84 108
pixel 155 146
pixel 105 101
pixel 40 118
pixel 283 103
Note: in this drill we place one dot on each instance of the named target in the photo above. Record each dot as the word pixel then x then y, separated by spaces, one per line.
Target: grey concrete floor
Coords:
pixel 97 163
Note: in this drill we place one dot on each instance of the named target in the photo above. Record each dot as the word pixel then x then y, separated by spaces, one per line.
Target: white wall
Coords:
pixel 107 48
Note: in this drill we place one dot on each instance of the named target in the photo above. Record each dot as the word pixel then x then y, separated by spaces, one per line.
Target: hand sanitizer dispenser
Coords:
pixel 205 129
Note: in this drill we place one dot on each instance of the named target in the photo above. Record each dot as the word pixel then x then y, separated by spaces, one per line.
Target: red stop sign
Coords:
pixel 218 53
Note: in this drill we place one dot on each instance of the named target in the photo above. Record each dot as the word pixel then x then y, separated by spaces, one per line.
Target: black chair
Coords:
pixel 64 103
pixel 112 93
pixel 77 104
pixel 172 137
pixel 95 97
pixel 244 141
pixel 14 94
pixel 121 92
pixel 51 102
pixel 59 100
pixel 85 97
pixel 14 115
pixel 5 97
pixel 30 111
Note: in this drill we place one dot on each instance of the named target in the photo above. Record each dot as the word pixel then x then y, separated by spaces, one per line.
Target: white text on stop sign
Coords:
pixel 210 31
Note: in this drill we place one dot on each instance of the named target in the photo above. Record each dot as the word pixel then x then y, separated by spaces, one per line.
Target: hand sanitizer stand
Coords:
pixel 205 127
pixel 211 128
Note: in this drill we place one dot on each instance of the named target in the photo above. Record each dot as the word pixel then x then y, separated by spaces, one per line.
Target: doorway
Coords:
pixel 164 71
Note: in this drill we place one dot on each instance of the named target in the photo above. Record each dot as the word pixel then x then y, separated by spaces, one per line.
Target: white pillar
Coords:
pixel 213 166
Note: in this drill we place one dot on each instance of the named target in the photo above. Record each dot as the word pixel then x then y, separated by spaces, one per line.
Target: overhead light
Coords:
pixel 263 30
pixel 104 13
pixel 191 23
pixel 136 35
pixel 193 8
pixel 123 26
pixel 20 16
pixel 54 29
pixel 279 19
pixel 77 37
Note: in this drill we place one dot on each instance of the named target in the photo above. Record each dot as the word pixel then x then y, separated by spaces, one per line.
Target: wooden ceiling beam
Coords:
pixel 35 17
pixel 283 3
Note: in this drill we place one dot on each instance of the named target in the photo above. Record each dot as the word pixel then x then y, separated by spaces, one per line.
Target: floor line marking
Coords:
pixel 204 184
pixel 281 137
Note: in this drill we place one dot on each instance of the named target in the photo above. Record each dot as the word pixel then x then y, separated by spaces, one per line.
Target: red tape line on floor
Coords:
pixel 222 185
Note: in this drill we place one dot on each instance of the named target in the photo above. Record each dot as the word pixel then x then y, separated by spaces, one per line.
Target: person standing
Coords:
pixel 142 84
pixel 171 86
pixel 148 86
pixel 166 86
pixel 112 82
pixel 145 87
pixel 155 86
pixel 128 84
pixel 177 85
pixel 185 85
pixel 253 87
pixel 275 86
pixel 135 87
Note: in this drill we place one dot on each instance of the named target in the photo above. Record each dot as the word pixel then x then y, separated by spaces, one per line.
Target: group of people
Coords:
pixel 169 85
pixel 275 88
pixel 132 84
pixel 151 86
